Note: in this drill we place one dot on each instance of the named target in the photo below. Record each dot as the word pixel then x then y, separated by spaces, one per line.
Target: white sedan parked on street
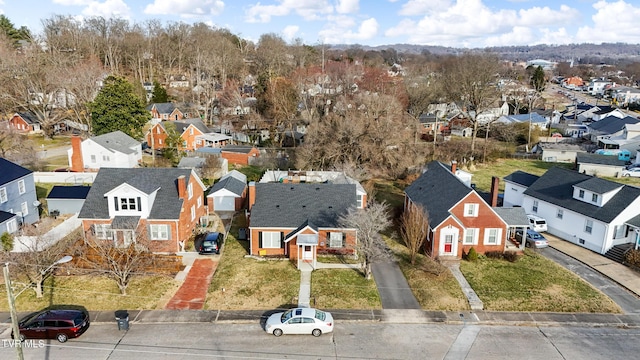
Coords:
pixel 300 321
pixel 635 172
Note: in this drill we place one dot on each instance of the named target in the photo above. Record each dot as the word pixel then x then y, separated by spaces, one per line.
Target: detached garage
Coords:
pixel 228 194
pixel 66 199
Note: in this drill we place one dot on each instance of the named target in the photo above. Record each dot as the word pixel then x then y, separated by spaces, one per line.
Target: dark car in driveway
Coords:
pixel 210 244
pixel 60 324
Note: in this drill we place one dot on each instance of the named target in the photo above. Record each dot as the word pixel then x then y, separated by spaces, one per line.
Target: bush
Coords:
pixel 633 258
pixel 472 255
pixel 7 241
pixel 510 256
pixel 494 254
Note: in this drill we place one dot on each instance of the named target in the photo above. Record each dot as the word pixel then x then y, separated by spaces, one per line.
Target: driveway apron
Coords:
pixel 393 288
pixel 192 294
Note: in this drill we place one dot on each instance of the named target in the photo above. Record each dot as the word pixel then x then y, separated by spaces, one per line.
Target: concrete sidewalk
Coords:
pixel 617 272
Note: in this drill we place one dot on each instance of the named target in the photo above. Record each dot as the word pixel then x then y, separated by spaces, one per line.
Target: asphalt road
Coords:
pixel 628 302
pixel 349 341
pixel 393 288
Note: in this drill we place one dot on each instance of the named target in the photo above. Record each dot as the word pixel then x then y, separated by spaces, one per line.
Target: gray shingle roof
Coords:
pixel 612 124
pixel 437 190
pixel 513 216
pixel 117 141
pixel 10 171
pixel 29 117
pixel 598 186
pixel 290 205
pixel 164 108
pixel 556 187
pixel 634 221
pixel 521 178
pixel 167 205
pixel 182 125
pixel 589 158
pixel 229 183
pixel 241 149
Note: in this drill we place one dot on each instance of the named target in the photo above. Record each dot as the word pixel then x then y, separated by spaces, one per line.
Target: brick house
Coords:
pixel 162 204
pixel 25 122
pixel 193 132
pixel 459 218
pixel 169 111
pixel 239 154
pixel 300 220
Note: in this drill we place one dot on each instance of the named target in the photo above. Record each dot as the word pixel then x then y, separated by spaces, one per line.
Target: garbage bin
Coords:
pixel 122 317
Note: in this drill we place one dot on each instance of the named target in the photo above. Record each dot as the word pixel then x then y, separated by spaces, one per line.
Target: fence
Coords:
pixel 64 177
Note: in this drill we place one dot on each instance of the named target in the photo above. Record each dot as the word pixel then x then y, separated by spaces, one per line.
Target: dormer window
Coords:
pixel 581 194
pixel 470 210
pixel 594 197
pixel 128 204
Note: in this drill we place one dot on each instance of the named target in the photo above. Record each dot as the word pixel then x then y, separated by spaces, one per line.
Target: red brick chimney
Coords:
pixel 495 183
pixel 77 164
pixel 182 187
pixel 252 194
pixel 454 166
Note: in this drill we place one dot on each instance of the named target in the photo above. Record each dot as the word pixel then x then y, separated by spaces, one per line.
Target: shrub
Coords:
pixel 494 254
pixel 633 258
pixel 472 255
pixel 7 241
pixel 510 256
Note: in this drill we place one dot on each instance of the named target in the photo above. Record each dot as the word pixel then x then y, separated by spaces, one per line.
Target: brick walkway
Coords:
pixel 193 292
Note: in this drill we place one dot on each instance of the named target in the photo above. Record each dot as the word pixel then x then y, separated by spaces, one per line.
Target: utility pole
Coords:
pixel 14 315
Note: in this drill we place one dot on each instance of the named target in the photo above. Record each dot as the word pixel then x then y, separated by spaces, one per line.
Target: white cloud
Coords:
pixel 348 6
pixel 307 9
pixel 612 22
pixel 185 8
pixel 107 8
pixel 290 32
pixel 339 30
pixel 422 7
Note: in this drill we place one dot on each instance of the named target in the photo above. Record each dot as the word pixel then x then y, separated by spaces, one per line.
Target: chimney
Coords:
pixel 454 166
pixel 495 183
pixel 77 165
pixel 182 187
pixel 252 194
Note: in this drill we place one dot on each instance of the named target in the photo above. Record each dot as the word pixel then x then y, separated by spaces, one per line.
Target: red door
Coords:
pixel 448 243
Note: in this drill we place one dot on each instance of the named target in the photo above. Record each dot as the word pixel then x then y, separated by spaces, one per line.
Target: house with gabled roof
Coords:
pixel 63 200
pixel 610 126
pixel 514 186
pixel 459 218
pixel 240 154
pixel 161 205
pixel 297 217
pixel 193 132
pixel 588 211
pixel 169 111
pixel 599 165
pixel 25 122
pixel 228 194
pixel 534 119
pixel 18 200
pixel 115 149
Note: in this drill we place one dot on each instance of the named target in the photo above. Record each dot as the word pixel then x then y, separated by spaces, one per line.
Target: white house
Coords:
pixel 228 194
pixel 591 212
pixel 514 186
pixel 114 150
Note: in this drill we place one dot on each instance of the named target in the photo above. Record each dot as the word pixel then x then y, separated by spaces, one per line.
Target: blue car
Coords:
pixel 210 244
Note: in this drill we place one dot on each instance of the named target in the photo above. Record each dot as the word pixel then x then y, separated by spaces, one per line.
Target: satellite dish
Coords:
pixel 36 203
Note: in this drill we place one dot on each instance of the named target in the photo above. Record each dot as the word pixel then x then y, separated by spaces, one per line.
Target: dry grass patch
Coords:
pixel 251 284
pixel 343 289
pixel 533 283
pixel 432 284
pixel 95 293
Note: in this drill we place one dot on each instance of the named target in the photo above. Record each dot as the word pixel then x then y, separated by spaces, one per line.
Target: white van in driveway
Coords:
pixel 537 223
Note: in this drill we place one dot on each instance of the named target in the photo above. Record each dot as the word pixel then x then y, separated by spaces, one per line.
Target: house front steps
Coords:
pixel 618 252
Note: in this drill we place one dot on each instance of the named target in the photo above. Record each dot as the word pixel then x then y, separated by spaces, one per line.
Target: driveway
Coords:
pixel 628 302
pixel 393 288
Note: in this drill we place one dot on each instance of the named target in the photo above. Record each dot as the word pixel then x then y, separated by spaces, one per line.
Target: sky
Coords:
pixel 454 23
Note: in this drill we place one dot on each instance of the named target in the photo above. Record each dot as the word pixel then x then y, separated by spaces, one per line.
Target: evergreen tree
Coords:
pixel 537 79
pixel 159 94
pixel 117 107
pixel 9 30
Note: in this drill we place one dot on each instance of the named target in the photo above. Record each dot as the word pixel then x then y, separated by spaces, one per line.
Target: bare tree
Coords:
pixel 212 167
pixel 39 251
pixel 369 223
pixel 414 225
pixel 120 255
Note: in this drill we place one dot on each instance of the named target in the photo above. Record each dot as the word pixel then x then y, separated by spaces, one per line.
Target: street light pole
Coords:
pixel 14 315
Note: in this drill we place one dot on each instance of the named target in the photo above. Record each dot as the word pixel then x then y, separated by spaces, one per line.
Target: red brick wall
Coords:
pixel 292 247
pixel 486 218
pixel 190 139
pixel 157 138
pixel 77 164
pixel 18 123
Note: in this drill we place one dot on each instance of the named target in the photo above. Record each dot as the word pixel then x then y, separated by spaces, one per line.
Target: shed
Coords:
pixel 67 199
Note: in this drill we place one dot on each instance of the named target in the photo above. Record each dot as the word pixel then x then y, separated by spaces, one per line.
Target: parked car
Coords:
pixel 634 172
pixel 533 239
pixel 537 223
pixel 632 166
pixel 210 244
pixel 300 321
pixel 60 324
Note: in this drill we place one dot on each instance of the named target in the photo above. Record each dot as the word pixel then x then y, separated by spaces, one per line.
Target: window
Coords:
pixel 160 141
pixel 581 194
pixel 619 231
pixel 158 130
pixel 127 204
pixel 190 130
pixel 190 190
pixel 103 231
pixel 3 195
pixel 105 157
pixel 12 226
pixel 160 232
pixel 359 199
pixel 470 236
pixel 588 226
pixel 270 239
pixel 534 208
pixel 335 239
pixel 25 209
pixel 491 236
pixel 93 159
pixel 594 197
pixel 560 214
pixel 470 210
pixel 199 202
pixel 21 187
pixel 193 212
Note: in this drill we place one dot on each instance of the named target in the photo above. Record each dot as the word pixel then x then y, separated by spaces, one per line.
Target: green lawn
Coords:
pixel 343 289
pixel 533 283
pixel 483 172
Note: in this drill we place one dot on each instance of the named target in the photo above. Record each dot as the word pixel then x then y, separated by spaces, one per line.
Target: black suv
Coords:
pixel 60 324
pixel 210 244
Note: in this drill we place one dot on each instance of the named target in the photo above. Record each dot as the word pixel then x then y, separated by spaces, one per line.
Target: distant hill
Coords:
pixel 608 53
